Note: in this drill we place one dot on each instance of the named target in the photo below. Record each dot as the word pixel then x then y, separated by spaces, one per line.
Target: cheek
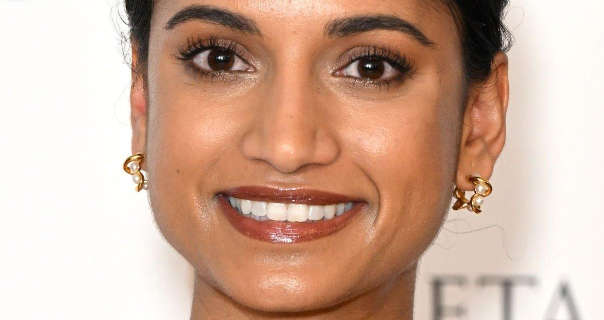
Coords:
pixel 409 150
pixel 411 142
pixel 189 133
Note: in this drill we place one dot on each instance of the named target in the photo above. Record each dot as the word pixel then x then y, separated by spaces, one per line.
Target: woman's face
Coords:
pixel 337 96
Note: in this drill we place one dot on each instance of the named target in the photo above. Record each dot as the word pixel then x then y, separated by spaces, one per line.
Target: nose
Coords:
pixel 290 131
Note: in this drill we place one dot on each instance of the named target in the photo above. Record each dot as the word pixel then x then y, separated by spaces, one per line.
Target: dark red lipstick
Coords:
pixel 287 231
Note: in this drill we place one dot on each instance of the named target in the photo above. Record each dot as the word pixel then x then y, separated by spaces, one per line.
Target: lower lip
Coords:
pixel 284 231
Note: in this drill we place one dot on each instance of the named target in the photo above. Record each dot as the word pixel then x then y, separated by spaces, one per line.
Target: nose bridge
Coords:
pixel 288 132
pixel 291 80
pixel 289 127
pixel 288 105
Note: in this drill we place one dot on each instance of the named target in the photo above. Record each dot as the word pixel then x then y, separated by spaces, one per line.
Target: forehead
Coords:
pixel 277 17
pixel 302 7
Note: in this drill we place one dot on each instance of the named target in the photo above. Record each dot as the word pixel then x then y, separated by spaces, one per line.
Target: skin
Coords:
pixel 293 123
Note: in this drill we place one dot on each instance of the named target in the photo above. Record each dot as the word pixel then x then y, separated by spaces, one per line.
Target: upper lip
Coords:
pixel 289 195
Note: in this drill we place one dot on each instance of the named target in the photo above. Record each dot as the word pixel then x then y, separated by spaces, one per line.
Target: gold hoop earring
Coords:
pixel 132 166
pixel 482 188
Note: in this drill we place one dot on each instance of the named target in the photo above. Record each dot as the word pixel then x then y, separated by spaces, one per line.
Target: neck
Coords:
pixel 392 299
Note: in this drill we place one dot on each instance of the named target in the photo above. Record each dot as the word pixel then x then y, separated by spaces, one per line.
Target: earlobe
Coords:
pixel 484 129
pixel 138 109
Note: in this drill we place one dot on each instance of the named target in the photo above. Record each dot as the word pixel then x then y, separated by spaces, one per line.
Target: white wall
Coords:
pixel 545 218
pixel 74 244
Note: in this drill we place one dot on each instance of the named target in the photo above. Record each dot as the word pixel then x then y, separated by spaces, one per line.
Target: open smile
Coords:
pixel 287 215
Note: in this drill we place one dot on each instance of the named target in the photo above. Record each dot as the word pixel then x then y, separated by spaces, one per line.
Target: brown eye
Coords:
pixel 371 68
pixel 219 60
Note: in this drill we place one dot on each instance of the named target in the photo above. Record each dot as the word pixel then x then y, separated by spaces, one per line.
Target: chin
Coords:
pixel 286 293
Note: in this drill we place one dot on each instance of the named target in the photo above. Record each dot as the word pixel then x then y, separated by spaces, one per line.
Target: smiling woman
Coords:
pixel 302 155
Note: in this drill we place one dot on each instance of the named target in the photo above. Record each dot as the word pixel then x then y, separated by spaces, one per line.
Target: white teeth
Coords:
pixel 348 206
pixel 246 206
pixel 276 211
pixel 329 211
pixel 293 212
pixel 259 208
pixel 263 218
pixel 297 212
pixel 315 213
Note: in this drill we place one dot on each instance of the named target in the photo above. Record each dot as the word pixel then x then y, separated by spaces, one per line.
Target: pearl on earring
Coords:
pixel 132 166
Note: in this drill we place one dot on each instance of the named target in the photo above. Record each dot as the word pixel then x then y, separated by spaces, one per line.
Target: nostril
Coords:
pixel 283 151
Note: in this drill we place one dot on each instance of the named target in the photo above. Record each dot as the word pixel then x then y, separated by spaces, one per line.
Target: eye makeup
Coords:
pixel 402 66
pixel 195 46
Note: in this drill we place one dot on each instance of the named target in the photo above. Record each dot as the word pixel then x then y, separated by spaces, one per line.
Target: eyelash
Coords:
pixel 195 46
pixel 399 62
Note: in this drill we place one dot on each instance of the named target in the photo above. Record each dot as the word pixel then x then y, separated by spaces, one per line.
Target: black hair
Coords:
pixel 139 20
pixel 483 33
pixel 479 22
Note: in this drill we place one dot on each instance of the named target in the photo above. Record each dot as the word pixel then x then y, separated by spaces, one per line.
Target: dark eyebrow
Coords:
pixel 214 15
pixel 357 24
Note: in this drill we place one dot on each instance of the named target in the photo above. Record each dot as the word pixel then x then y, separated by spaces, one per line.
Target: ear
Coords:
pixel 483 134
pixel 138 107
